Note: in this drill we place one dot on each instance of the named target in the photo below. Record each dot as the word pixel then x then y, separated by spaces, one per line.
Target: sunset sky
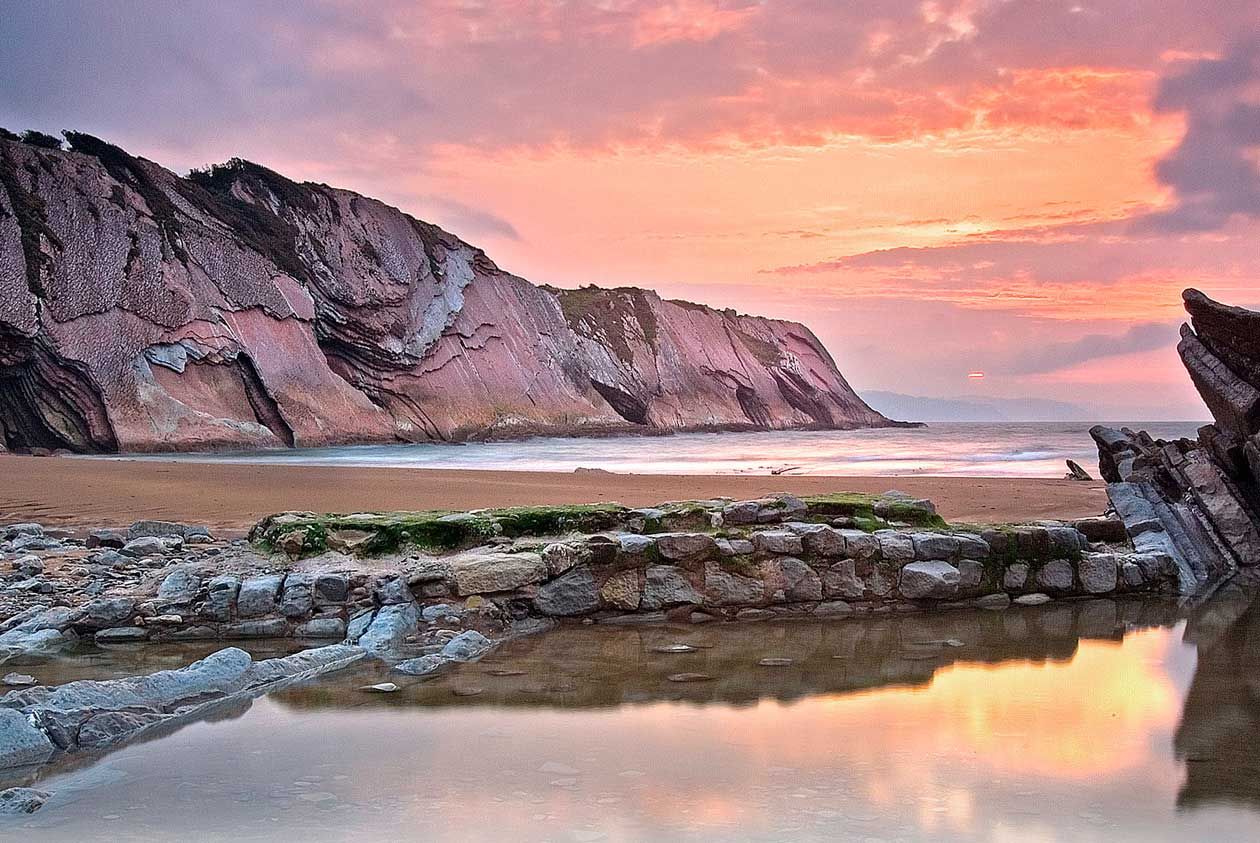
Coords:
pixel 1019 187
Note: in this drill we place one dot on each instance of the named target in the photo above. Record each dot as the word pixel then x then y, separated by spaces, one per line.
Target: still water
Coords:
pixel 1086 721
pixel 976 449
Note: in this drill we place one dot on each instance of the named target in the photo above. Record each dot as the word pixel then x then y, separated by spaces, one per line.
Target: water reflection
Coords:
pixel 1073 721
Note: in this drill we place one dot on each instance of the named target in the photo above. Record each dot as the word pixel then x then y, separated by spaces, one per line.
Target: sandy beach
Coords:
pixel 71 492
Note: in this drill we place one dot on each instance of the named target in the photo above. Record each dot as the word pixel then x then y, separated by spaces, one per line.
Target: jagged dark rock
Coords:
pixel 142 311
pixel 1198 501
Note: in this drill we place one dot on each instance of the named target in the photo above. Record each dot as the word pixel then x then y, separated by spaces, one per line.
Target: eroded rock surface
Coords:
pixel 142 311
pixel 1197 502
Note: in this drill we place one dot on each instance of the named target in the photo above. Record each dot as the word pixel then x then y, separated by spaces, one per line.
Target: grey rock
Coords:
pixel 257 596
pixel 1067 541
pixel 1015 577
pixel 682 547
pixel 1097 573
pixel 841 580
pixel 722 588
pixel 666 585
pixel 466 646
pixel 438 611
pixel 393 590
pixel 221 594
pixel 801 582
pixel 779 542
pixel 895 547
pixel 322 628
pixel 158 529
pixel 110 727
pixel 929 546
pixel 146 546
pixel 574 593
pixel 753 615
pixel 259 628
pixel 1103 529
pixel 18 680
pixel 494 572
pixel 107 612
pixel 833 608
pixel 35 585
pixel 734 547
pixel 29 566
pixel 824 541
pixel 1032 599
pixel 122 635
pixel 24 529
pixel 332 589
pixel 105 538
pixel 28 542
pixel 633 544
pixel 860 545
pixel 971 574
pixel 20 742
pixel 423 665
pixel 929 580
pixel 622 591
pixel 390 628
pixel 993 601
pixel 972 547
pixel 1056 576
pixel 358 625
pixel 22 800
pixel 561 556
pixel 180 585
pixel 296 600
pixel 1132 575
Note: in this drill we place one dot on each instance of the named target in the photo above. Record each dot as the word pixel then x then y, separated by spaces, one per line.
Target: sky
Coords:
pixel 1019 187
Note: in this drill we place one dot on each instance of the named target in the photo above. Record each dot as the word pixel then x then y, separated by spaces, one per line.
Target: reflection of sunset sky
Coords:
pixel 1069 750
pixel 980 175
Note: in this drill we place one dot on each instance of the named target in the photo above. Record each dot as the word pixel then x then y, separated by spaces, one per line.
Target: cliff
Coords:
pixel 1198 501
pixel 234 308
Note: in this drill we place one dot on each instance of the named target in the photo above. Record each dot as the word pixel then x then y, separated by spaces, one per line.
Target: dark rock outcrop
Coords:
pixel 234 308
pixel 1198 501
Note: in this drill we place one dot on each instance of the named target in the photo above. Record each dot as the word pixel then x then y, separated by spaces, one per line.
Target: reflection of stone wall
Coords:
pixel 1219 735
pixel 607 666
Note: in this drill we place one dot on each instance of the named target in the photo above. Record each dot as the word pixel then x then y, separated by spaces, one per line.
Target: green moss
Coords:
pixel 862 509
pixel 437 531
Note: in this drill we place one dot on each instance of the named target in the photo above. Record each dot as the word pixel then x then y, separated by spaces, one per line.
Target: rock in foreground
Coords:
pixel 1197 502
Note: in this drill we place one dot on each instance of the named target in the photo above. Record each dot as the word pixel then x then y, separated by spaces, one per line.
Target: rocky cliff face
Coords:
pixel 142 311
pixel 1198 501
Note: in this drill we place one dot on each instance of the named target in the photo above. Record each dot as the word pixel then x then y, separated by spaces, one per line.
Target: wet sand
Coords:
pixel 69 492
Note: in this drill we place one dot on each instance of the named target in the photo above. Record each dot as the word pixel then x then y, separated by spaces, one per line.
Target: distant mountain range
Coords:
pixel 974 408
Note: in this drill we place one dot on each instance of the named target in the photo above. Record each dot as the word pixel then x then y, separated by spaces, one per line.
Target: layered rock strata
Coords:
pixel 1197 502
pixel 234 308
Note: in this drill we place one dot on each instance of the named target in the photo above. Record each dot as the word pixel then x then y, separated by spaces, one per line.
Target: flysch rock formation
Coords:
pixel 234 308
pixel 1198 501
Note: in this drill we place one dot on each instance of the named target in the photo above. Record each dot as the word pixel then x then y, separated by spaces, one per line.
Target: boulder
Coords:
pixel 573 593
pixel 684 547
pixel 20 742
pixel 181 585
pixel 779 542
pixel 622 591
pixel 468 645
pixel 494 572
pixel 221 594
pixel 105 538
pixel 841 580
pixel 821 540
pixel 929 546
pixel 334 628
pixel 392 590
pixel 801 583
pixel 296 599
pixel 1098 573
pixel 666 585
pixel 1102 529
pixel 122 635
pixel 390 629
pixel 332 589
pixel 1056 576
pixel 723 588
pixel 929 580
pixel 257 595
pixel 860 545
pixel 561 556
pixel 107 612
pixel 145 546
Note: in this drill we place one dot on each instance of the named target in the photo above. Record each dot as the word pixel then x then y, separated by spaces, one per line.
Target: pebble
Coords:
pixel 690 677
pixel 673 648
pixel 381 688
pixel 775 662
pixel 18 680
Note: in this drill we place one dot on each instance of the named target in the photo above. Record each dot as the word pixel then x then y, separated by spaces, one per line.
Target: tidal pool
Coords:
pixel 1099 720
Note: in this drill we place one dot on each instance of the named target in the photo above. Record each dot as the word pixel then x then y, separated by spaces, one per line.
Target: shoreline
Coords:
pixel 232 497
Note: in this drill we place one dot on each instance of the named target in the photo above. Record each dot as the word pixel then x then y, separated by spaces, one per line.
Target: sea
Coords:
pixel 946 449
